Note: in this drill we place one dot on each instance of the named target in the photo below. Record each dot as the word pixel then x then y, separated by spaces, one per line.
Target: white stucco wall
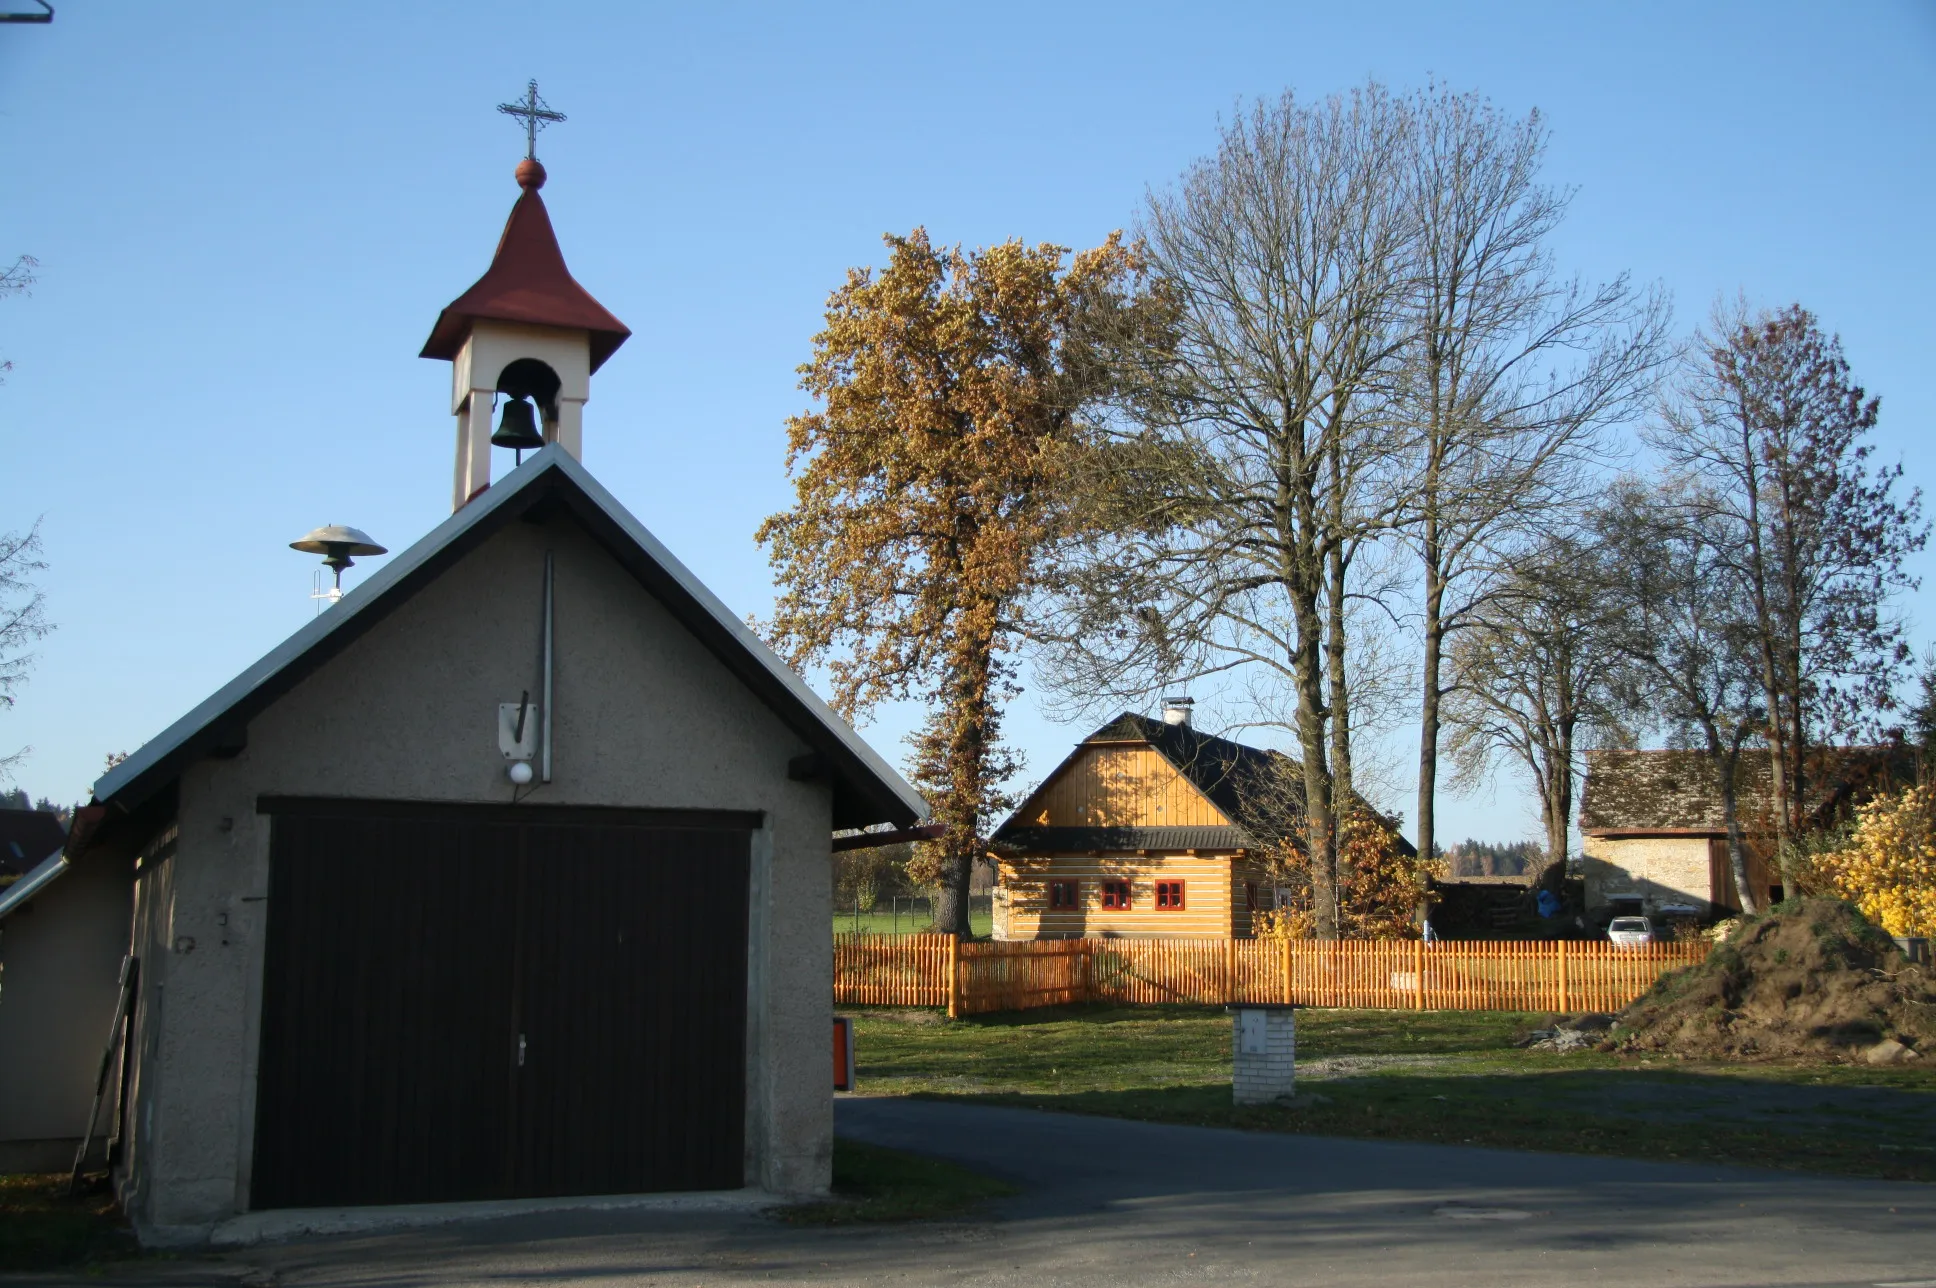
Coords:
pixel 60 965
pixel 645 717
pixel 1660 869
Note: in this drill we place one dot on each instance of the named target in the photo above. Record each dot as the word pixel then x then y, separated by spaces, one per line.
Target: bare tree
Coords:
pixel 23 619
pixel 1536 675
pixel 1680 614
pixel 16 279
pixel 1512 371
pixel 1767 415
pixel 1249 467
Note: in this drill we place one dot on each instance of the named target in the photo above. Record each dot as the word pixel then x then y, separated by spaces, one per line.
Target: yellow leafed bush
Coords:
pixel 1381 886
pixel 1888 867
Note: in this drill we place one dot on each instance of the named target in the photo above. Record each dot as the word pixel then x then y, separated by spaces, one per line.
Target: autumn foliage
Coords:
pixel 1888 867
pixel 929 487
pixel 1380 887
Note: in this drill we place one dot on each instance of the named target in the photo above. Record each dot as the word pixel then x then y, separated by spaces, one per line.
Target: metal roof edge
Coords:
pixel 313 632
pixel 153 754
pixel 42 875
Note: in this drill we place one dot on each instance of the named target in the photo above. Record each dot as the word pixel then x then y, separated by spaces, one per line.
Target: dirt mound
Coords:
pixel 1812 978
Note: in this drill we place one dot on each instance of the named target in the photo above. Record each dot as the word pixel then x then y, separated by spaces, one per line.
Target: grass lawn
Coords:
pixel 42 1229
pixel 876 1184
pixel 1448 1076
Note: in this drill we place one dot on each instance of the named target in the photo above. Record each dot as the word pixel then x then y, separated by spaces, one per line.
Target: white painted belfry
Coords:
pixel 491 347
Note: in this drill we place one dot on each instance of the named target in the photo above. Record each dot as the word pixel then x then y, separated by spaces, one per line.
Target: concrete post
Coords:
pixel 1263 1053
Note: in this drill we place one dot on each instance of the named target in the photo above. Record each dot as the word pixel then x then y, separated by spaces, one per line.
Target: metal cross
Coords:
pixel 536 114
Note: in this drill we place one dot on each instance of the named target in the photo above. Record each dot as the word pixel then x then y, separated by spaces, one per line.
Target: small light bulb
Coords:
pixel 520 772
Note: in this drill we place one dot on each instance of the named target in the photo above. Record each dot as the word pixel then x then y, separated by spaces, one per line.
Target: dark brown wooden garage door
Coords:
pixel 466 1003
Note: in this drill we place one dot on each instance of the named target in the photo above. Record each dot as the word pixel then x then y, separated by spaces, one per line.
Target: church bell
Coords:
pixel 518 428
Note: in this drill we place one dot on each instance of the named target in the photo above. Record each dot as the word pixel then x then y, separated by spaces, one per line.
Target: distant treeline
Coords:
pixel 17 799
pixel 1471 858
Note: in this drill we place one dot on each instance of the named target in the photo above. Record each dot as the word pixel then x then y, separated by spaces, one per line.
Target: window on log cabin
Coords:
pixel 1169 896
pixel 1115 894
pixel 1062 894
pixel 1250 896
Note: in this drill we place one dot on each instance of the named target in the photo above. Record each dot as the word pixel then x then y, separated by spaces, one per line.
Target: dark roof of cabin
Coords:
pixel 1239 780
pixel 26 837
pixel 1678 791
pixel 1229 773
pixel 1081 840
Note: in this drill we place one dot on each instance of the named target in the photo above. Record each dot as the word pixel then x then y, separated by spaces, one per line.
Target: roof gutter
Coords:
pixel 1632 833
pixel 43 875
pixel 869 840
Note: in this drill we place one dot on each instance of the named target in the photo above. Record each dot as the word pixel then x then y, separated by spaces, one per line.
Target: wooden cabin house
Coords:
pixel 1150 829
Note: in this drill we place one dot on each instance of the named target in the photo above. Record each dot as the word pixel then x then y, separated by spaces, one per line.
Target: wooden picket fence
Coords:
pixel 974 977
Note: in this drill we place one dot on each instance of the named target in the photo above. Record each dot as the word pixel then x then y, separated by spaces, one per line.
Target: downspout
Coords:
pixel 544 748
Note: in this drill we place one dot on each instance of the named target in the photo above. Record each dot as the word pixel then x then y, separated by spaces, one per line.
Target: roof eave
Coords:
pixel 447 337
pixel 1628 833
pixel 37 878
pixel 864 783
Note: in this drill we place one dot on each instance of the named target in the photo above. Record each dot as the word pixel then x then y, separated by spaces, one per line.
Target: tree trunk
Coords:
pixel 1725 765
pixel 1556 804
pixel 965 759
pixel 1301 571
pixel 1779 784
pixel 1429 694
pixel 1338 685
pixel 1320 832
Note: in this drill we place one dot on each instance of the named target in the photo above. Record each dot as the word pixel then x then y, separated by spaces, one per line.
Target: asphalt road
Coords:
pixel 1113 1204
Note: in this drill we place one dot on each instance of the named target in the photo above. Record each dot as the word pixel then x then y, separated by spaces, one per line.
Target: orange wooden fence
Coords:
pixel 893 970
pixel 973 977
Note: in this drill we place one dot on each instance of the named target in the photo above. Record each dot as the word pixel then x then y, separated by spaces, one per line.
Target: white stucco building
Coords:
pixel 506 876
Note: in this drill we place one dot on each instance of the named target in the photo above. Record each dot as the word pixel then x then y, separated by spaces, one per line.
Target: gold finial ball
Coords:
pixel 530 174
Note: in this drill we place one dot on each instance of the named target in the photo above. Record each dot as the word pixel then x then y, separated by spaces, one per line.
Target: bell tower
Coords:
pixel 525 333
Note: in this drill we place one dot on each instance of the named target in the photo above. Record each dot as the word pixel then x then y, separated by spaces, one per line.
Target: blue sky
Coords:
pixel 248 216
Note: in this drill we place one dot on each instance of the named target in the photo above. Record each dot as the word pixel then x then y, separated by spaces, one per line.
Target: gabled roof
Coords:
pixel 1230 774
pixel 1258 790
pixel 1678 793
pixel 26 837
pixel 866 790
pixel 527 282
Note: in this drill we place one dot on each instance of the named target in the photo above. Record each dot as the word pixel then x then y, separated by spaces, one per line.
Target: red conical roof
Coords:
pixel 527 282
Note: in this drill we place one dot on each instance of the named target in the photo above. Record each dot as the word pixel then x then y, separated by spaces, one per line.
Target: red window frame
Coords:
pixel 1117 895
pixel 1064 894
pixel 1169 896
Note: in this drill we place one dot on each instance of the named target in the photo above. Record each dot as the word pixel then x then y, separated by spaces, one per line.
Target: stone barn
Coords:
pixel 1655 841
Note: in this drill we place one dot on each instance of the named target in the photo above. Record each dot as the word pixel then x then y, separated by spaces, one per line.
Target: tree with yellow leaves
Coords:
pixel 1888 867
pixel 1380 886
pixel 930 489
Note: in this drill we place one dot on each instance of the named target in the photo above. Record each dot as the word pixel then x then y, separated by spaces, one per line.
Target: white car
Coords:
pixel 1630 932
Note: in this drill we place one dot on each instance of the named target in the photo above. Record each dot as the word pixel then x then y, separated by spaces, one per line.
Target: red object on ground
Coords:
pixel 843 1053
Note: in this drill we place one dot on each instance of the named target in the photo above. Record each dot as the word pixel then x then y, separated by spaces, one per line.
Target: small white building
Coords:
pixel 62 937
pixel 506 876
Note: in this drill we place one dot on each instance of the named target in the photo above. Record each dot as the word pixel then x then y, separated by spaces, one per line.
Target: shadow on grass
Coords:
pixel 41 1228
pixel 1667 1116
pixel 874 1184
